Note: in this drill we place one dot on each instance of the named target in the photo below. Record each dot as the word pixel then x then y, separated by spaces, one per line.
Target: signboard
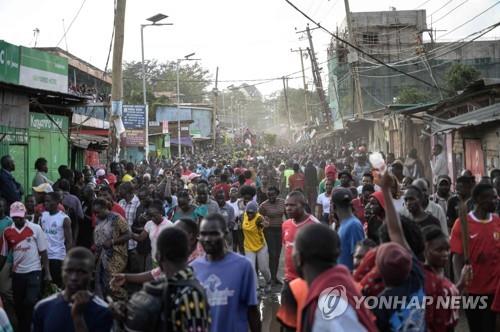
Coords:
pixel 42 70
pixel 134 120
pixel 42 122
pixel 166 141
pixel 164 127
pixel 9 63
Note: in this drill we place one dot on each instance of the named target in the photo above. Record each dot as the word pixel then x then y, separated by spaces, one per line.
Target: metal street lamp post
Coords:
pixel 186 58
pixel 154 19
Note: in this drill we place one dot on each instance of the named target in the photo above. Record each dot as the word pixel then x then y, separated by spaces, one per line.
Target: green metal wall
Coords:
pixel 51 145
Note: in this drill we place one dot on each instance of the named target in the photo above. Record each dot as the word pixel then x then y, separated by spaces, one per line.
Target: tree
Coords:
pixel 296 105
pixel 460 75
pixel 161 83
pixel 412 95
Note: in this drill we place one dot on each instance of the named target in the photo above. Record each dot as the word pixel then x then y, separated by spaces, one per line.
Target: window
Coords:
pixel 370 38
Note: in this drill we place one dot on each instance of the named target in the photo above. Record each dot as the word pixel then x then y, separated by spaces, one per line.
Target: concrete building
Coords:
pixel 397 38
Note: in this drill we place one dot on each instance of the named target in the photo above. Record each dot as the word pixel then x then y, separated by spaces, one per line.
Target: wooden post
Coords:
pixel 117 83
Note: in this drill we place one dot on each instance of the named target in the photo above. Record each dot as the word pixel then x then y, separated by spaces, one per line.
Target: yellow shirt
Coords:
pixel 127 178
pixel 253 234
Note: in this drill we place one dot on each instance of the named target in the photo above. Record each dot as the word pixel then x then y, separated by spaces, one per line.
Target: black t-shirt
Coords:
pixel 430 220
pixel 409 314
pixel 452 211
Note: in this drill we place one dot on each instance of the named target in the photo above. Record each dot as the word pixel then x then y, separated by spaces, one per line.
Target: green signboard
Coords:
pixel 9 63
pixel 42 122
pixel 43 70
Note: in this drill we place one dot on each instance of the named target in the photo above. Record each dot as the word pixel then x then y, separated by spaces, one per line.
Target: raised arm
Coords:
pixel 392 219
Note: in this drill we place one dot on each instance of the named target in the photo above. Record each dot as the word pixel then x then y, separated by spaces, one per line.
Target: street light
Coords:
pixel 154 19
pixel 186 58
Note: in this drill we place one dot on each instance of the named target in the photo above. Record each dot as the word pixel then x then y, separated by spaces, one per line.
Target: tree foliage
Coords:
pixel 296 105
pixel 412 95
pixel 460 75
pixel 161 82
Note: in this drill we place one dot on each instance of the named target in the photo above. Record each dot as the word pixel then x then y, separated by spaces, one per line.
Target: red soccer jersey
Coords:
pixel 225 187
pixel 484 249
pixel 288 231
pixel 439 318
pixel 297 181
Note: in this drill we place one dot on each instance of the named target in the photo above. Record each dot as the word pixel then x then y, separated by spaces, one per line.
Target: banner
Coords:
pixel 9 63
pixel 134 120
pixel 42 70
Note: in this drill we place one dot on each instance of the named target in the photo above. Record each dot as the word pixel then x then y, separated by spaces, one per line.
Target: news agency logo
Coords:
pixel 332 302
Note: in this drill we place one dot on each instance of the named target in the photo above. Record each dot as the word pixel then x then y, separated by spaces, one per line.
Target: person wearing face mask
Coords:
pixel 228 279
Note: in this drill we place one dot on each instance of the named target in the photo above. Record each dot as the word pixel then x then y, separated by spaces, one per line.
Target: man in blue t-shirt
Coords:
pixel 228 279
pixel 75 308
pixel 350 230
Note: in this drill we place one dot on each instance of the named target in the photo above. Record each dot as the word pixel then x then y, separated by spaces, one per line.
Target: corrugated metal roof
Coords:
pixel 474 118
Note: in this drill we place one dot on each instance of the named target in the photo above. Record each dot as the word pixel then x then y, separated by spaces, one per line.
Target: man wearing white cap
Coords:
pixel 40 192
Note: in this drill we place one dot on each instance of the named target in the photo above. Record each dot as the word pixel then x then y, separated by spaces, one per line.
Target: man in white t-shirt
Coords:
pixel 323 202
pixel 154 226
pixel 27 243
pixel 57 228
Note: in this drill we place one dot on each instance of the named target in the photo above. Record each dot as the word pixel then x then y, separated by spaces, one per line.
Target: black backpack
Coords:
pixel 149 309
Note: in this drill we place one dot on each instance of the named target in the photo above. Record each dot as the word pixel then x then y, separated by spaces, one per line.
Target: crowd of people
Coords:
pixel 90 92
pixel 194 244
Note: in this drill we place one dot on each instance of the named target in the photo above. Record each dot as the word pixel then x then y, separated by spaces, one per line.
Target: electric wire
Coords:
pixel 360 50
pixel 72 21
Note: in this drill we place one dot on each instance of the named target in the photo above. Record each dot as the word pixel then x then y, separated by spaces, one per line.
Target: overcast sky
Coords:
pixel 246 39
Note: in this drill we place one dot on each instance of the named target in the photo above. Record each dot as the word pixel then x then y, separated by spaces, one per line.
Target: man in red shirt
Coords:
pixel 484 252
pixel 294 208
pixel 222 185
pixel 297 180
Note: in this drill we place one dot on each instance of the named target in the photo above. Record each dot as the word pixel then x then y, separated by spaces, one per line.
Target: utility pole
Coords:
pixel 214 119
pixel 353 64
pixel 232 113
pixel 116 82
pixel 304 80
pixel 285 87
pixel 317 79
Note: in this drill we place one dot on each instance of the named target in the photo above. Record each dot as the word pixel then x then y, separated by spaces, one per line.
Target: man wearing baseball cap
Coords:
pixel 28 243
pixel 443 192
pixel 350 229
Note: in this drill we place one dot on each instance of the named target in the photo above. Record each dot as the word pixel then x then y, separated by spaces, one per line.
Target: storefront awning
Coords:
pixel 482 115
pixel 91 142
pixel 185 140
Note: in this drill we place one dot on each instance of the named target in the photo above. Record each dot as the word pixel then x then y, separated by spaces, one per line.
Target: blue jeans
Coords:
pixel 26 288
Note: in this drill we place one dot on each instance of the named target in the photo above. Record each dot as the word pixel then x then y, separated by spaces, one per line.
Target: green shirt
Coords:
pixel 287 174
pixel 322 188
